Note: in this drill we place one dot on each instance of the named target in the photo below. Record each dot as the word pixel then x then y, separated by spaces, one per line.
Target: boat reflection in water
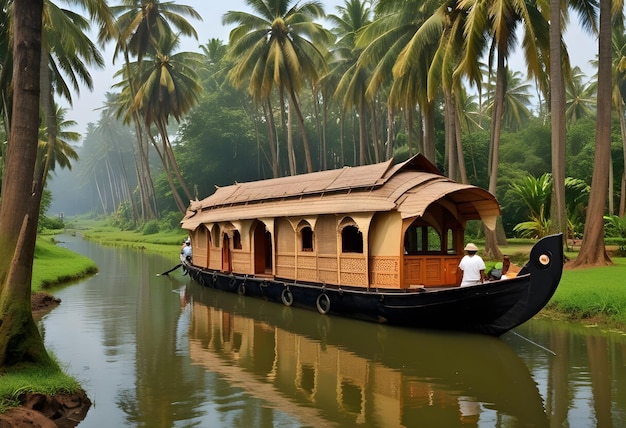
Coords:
pixel 329 371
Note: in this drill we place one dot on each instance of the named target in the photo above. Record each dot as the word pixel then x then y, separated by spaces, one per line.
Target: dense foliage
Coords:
pixel 237 132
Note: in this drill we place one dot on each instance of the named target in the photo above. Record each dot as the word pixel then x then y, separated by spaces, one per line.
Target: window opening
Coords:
pixel 351 240
pixel 306 235
pixel 236 240
pixel 420 239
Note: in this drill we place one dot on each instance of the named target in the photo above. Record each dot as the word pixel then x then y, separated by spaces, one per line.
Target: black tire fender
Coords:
pixel 323 303
pixel 286 296
pixel 241 288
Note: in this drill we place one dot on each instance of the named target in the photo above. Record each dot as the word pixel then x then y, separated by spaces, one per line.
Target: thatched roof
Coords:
pixel 409 187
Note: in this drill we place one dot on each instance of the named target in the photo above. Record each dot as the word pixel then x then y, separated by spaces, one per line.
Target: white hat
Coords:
pixel 471 247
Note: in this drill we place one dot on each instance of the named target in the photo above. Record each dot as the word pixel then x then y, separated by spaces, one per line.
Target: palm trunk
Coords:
pixel 611 202
pixel 558 212
pixel 145 181
pixel 450 134
pixel 622 125
pixel 492 250
pixel 305 140
pixel 271 136
pixel 20 341
pixel 324 165
pixel 459 147
pixel 290 149
pixel 376 133
pixel 173 164
pixel 168 173
pixel 390 130
pixel 49 111
pixel 362 134
pixel 592 250
pixel 428 113
pixel 100 196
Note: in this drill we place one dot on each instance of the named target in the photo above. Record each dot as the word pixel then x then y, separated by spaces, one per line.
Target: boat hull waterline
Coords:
pixel 492 308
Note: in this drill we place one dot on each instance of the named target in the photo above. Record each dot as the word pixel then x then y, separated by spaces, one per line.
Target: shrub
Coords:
pixel 46 222
pixel 151 227
pixel 123 217
pixel 170 221
pixel 615 226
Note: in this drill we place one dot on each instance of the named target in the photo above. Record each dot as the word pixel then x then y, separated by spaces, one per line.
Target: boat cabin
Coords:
pixel 373 226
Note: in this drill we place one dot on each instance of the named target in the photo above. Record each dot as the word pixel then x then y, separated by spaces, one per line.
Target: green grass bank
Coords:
pixel 54 265
pixel 28 379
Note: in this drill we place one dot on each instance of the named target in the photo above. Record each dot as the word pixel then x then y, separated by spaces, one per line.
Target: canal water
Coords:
pixel 162 351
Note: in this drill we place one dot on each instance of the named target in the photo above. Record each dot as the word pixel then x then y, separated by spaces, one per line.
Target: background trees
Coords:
pixel 383 95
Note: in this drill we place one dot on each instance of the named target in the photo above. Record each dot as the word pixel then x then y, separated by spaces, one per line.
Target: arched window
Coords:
pixel 421 238
pixel 306 236
pixel 351 240
pixel 215 235
pixel 236 240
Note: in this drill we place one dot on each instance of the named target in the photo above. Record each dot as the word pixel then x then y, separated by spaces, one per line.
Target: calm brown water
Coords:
pixel 154 351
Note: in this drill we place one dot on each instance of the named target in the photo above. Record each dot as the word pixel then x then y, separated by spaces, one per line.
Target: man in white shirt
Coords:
pixel 472 266
pixel 186 252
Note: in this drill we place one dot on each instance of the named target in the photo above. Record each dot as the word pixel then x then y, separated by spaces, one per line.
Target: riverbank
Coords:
pixel 54 265
pixel 46 397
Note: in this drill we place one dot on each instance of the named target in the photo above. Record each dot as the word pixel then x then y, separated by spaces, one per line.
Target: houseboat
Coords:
pixel 379 242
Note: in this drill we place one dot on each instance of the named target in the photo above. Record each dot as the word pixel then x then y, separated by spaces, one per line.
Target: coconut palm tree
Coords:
pixel 517 100
pixel 61 153
pixel 580 97
pixel 592 250
pixel 352 84
pixel 20 341
pixel 618 41
pixel 495 22
pixel 109 130
pixel 140 24
pixel 560 73
pixel 401 43
pixel 213 74
pixel 280 47
pixel 167 87
pixel 66 54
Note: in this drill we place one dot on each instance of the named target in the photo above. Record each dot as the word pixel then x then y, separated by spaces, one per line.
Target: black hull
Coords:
pixel 492 308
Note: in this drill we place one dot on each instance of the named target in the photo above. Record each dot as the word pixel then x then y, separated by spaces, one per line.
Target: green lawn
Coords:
pixel 162 242
pixel 593 292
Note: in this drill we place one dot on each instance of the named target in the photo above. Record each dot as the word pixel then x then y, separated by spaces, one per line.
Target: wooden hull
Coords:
pixel 491 308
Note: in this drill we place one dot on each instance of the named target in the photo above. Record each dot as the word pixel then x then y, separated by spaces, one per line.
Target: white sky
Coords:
pixel 582 48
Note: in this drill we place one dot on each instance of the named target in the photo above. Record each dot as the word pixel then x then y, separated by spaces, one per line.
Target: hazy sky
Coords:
pixel 582 48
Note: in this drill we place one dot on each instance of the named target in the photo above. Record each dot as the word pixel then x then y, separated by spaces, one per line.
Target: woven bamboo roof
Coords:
pixel 409 187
